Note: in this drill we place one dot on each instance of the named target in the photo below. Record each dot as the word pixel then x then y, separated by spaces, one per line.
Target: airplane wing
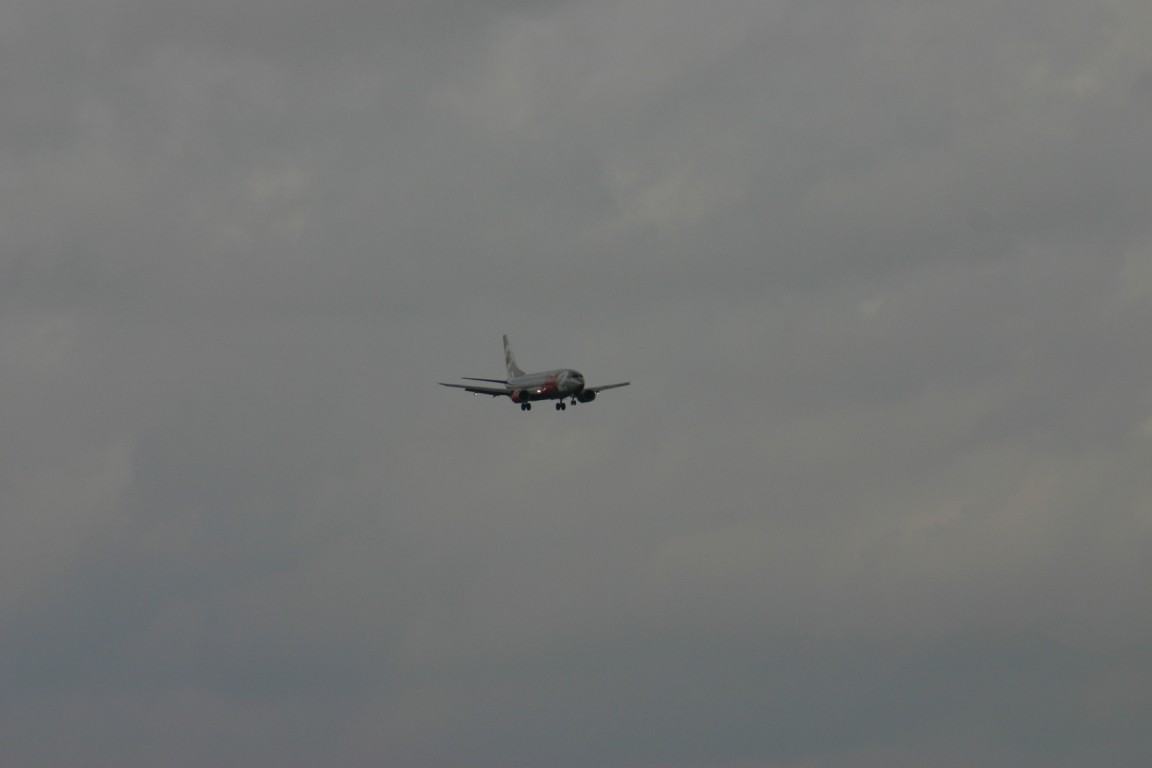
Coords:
pixel 493 391
pixel 609 386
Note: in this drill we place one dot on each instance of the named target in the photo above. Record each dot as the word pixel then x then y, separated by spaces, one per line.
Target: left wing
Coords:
pixel 609 386
pixel 493 391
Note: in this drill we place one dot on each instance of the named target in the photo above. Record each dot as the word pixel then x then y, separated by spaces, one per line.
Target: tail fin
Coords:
pixel 510 361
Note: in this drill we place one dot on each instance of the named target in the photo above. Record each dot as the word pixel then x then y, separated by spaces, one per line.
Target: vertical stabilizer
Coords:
pixel 510 361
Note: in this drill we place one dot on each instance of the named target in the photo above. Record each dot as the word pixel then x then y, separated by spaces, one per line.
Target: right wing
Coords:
pixel 493 391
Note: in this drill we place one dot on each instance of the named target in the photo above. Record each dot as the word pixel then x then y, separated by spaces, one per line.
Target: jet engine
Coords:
pixel 519 396
pixel 586 396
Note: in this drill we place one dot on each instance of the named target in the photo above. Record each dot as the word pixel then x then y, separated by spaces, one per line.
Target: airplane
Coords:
pixel 524 388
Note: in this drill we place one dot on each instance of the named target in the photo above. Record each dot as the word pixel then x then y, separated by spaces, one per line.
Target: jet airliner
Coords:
pixel 524 388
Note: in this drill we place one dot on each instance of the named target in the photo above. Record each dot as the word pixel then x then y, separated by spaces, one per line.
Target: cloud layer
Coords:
pixel 881 274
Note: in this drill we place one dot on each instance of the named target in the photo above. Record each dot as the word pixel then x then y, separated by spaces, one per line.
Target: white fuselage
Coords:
pixel 547 385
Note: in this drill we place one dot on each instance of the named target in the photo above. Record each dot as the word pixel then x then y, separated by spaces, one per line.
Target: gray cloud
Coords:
pixel 879 273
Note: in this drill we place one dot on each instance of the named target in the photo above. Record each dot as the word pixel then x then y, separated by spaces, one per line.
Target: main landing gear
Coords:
pixel 560 406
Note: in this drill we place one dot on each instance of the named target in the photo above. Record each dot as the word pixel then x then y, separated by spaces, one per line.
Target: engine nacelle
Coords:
pixel 519 396
pixel 586 396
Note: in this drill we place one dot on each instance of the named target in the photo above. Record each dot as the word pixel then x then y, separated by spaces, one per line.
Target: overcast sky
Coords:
pixel 880 272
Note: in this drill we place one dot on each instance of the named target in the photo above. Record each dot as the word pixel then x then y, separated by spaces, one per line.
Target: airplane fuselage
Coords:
pixel 547 385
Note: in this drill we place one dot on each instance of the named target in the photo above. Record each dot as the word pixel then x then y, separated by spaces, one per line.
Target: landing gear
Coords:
pixel 560 406
pixel 525 406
